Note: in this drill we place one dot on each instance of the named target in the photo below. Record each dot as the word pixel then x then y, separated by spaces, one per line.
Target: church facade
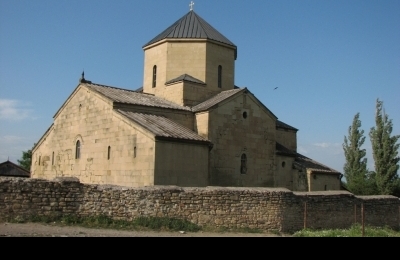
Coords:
pixel 189 125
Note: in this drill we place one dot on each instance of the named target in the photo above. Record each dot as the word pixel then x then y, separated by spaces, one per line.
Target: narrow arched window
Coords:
pixel 243 164
pixel 219 76
pixel 134 152
pixel 78 150
pixel 52 159
pixel 109 153
pixel 154 76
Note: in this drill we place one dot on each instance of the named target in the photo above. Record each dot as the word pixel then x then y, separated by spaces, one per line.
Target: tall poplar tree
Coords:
pixel 355 168
pixel 385 152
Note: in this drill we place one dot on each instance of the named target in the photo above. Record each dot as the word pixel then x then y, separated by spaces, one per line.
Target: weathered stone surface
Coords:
pixel 262 208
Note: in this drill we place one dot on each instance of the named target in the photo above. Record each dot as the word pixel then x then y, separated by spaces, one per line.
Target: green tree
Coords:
pixel 358 179
pixel 26 160
pixel 385 150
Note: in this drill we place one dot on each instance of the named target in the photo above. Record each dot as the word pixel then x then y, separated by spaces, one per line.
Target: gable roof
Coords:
pixel 185 77
pixel 125 96
pixel 302 161
pixel 164 128
pixel 192 26
pixel 10 169
pixel 312 165
pixel 282 150
pixel 285 126
pixel 215 100
pixel 209 103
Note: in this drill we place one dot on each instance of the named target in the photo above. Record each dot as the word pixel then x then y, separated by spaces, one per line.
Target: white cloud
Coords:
pixel 335 149
pixel 327 145
pixel 10 139
pixel 13 110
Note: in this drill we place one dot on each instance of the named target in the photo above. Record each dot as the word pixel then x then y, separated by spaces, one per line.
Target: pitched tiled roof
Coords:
pixel 185 77
pixel 163 127
pixel 10 169
pixel 280 149
pixel 286 126
pixel 191 26
pixel 133 97
pixel 215 100
pixel 312 165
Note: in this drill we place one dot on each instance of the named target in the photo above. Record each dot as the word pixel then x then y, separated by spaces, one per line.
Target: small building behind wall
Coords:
pixel 10 169
pixel 319 176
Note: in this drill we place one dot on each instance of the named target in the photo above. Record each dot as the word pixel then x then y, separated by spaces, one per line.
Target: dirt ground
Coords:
pixel 50 230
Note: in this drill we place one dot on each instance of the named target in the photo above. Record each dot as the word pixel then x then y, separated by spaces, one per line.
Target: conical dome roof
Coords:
pixel 191 26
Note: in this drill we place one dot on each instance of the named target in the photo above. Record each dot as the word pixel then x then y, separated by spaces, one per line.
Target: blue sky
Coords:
pixel 330 59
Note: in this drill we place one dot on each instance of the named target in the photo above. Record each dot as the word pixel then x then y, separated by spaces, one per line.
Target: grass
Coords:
pixel 101 221
pixel 172 224
pixel 232 230
pixel 154 223
pixel 354 231
pixel 138 224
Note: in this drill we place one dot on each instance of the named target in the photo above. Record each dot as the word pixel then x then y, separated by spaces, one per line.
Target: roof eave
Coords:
pixel 208 108
pixel 170 83
pixel 152 45
pixel 285 154
pixel 181 140
pixel 318 171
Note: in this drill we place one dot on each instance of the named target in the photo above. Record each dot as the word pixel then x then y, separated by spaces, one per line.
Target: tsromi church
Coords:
pixel 188 125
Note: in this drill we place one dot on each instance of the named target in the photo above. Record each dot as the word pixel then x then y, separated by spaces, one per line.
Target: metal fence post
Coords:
pixel 363 219
pixel 355 213
pixel 305 215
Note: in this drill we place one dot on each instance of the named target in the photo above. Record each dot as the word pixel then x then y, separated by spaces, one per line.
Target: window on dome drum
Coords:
pixel 78 150
pixel 243 164
pixel 109 153
pixel 219 76
pixel 40 157
pixel 154 76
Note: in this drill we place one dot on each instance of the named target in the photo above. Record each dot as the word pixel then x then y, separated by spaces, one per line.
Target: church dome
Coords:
pixel 191 26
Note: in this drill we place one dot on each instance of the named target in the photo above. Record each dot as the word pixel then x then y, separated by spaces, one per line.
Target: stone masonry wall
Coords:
pixel 262 208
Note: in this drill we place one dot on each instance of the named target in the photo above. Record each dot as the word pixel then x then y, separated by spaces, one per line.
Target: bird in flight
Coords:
pixel 276 88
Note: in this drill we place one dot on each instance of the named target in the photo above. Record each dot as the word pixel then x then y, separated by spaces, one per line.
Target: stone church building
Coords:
pixel 189 125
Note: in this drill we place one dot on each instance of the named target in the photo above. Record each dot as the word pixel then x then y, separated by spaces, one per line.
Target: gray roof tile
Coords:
pixel 303 161
pixel 133 97
pixel 10 169
pixel 215 100
pixel 191 26
pixel 313 165
pixel 185 77
pixel 280 149
pixel 163 127
pixel 286 126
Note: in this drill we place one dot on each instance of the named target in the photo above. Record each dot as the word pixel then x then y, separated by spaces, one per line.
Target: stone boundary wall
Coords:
pixel 269 209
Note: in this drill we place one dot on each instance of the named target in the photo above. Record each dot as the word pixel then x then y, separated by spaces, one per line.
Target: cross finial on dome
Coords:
pixel 191 5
